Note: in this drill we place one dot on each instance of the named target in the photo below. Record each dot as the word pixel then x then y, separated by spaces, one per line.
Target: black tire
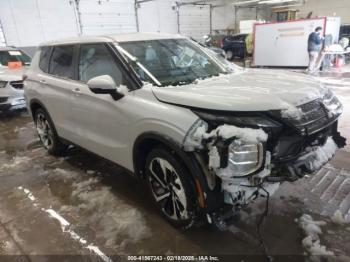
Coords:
pixel 176 184
pixel 47 133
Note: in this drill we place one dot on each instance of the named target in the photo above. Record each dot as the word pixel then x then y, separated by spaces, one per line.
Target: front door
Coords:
pixel 99 120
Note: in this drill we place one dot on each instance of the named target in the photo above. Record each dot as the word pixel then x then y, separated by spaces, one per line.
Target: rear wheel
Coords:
pixel 47 133
pixel 170 185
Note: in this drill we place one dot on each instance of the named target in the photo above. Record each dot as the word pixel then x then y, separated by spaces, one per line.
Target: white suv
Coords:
pixel 13 63
pixel 208 136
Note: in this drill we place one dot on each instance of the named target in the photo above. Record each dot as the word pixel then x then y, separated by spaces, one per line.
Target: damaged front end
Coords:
pixel 236 159
pixel 248 155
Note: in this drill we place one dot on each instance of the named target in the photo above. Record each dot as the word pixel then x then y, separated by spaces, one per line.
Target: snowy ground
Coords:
pixel 81 205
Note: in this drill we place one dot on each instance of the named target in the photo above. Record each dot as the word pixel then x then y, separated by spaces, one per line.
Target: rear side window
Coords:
pixel 44 58
pixel 61 63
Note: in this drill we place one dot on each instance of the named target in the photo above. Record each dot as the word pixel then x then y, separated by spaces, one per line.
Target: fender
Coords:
pixel 206 198
pixel 36 101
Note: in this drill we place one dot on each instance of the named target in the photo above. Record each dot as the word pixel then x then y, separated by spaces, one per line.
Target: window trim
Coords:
pixel 133 80
pixel 73 59
pixel 48 59
pixel 126 66
pixel 130 82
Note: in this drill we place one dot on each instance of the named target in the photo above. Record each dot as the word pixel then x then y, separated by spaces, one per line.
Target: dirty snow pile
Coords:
pixel 198 133
pixel 338 218
pixel 247 135
pixel 16 162
pixel 312 232
pixel 321 154
pixel 112 219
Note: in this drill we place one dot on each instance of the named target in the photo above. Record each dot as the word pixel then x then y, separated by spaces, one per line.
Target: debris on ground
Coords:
pixel 311 242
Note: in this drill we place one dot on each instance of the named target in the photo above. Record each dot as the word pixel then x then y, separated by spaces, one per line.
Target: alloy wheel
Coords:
pixel 167 189
pixel 44 131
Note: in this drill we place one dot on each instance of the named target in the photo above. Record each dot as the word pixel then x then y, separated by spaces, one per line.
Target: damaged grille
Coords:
pixel 315 125
pixel 17 84
pixel 317 114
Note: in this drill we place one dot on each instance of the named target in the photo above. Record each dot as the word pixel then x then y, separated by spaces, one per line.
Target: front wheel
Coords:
pixel 171 188
pixel 47 133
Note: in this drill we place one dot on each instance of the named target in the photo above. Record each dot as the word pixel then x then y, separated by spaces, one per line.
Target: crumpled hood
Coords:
pixel 7 74
pixel 246 90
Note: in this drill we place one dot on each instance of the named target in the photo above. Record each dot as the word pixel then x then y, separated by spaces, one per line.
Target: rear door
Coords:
pixel 57 86
pixel 100 121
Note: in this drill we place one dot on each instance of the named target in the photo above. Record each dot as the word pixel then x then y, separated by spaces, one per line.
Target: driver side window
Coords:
pixel 96 60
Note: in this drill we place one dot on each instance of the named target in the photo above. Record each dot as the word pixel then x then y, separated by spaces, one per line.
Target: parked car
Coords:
pixel 207 43
pixel 235 46
pixel 208 136
pixel 13 63
pixel 344 31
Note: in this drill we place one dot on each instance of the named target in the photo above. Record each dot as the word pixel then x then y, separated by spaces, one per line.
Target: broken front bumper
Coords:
pixel 241 159
pixel 313 160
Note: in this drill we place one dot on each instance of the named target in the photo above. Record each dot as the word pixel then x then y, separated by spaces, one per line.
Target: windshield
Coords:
pixel 13 56
pixel 173 61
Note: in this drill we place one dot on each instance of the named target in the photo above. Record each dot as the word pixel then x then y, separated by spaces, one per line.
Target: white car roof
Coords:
pixel 120 38
pixel 8 48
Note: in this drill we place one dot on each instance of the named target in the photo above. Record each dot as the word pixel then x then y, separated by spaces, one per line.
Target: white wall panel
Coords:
pixel 194 20
pixel 223 17
pixel 148 17
pixel 107 16
pixel 339 8
pixel 30 22
pixel 57 19
pixel 157 16
pixel 160 16
pixel 167 16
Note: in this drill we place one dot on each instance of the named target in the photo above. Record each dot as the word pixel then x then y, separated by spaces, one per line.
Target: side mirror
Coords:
pixel 104 85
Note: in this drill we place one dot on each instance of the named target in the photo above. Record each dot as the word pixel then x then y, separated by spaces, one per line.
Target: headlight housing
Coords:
pixel 245 159
pixel 3 84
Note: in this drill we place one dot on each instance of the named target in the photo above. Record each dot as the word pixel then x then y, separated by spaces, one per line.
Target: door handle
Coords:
pixel 42 81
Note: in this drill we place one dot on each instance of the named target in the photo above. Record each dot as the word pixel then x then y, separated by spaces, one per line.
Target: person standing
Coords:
pixel 314 48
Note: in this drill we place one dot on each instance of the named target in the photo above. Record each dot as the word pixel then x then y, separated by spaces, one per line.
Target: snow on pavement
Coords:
pixel 66 226
pixel 312 230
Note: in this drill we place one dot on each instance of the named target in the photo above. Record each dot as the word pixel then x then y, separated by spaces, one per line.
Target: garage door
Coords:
pixel 145 23
pixel 30 22
pixel 107 17
pixel 164 17
pixel 194 20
